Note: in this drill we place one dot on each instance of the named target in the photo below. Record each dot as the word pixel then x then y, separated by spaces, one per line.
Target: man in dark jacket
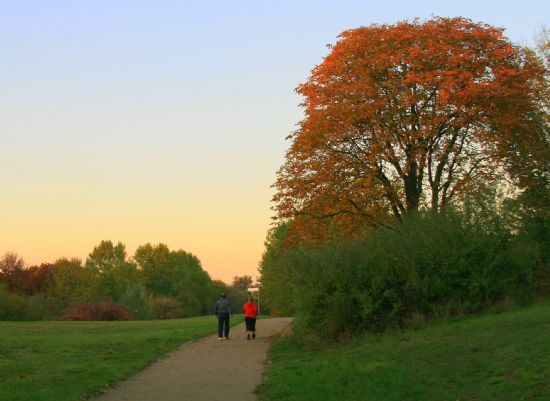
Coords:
pixel 222 309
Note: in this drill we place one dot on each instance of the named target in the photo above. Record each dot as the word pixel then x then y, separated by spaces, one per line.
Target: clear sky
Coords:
pixel 164 121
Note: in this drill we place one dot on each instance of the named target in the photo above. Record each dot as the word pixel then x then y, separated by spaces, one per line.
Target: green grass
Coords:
pixel 62 361
pixel 501 357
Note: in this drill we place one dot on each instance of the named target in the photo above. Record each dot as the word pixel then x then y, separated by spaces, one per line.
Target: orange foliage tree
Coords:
pixel 409 116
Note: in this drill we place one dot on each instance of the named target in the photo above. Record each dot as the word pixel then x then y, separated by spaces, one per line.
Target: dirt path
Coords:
pixel 204 370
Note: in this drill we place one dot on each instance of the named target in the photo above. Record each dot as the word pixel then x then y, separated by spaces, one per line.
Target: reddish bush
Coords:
pixel 99 311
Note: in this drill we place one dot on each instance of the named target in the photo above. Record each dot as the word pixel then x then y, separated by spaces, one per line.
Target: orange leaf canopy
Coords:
pixel 408 116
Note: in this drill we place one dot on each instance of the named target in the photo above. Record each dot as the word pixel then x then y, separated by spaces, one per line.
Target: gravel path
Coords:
pixel 205 370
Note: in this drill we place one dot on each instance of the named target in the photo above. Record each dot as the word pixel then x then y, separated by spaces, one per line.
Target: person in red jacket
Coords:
pixel 250 312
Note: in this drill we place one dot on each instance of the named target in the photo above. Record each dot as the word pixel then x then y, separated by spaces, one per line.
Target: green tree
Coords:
pixel 116 272
pixel 138 301
pixel 238 291
pixel 154 264
pixel 176 274
pixel 193 283
pixel 278 272
pixel 242 283
pixel 72 284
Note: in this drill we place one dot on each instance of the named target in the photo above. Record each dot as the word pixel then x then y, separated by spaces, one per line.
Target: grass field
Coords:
pixel 61 361
pixel 501 357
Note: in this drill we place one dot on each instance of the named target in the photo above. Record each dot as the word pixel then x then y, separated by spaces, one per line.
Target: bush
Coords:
pixel 39 307
pixel 136 299
pixel 166 308
pixel 12 306
pixel 98 311
pixel 430 266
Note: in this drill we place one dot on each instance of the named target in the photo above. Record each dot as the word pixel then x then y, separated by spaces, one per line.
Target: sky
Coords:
pixel 165 121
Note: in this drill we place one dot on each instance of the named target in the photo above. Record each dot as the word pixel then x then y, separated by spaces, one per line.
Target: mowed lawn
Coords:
pixel 500 357
pixel 59 361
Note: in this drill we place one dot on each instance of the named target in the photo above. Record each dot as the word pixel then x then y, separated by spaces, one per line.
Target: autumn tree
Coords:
pixel 12 271
pixel 37 279
pixel 410 116
pixel 22 279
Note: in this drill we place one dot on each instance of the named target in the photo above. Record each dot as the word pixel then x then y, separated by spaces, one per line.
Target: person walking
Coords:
pixel 250 313
pixel 222 309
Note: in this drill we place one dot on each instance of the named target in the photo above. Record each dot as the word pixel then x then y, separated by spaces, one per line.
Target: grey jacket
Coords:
pixel 222 306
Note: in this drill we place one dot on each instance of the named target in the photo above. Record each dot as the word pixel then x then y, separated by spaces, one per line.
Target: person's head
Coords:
pixel 249 299
pixel 223 294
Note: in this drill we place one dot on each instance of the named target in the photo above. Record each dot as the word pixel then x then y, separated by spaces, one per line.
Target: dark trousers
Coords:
pixel 223 325
pixel 250 323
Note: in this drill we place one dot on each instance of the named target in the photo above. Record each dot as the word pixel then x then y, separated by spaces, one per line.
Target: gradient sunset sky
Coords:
pixel 164 121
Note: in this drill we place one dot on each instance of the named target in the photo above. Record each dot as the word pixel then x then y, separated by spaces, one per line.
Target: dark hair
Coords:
pixel 223 294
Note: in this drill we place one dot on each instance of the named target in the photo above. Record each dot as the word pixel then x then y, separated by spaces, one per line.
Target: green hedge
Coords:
pixel 429 266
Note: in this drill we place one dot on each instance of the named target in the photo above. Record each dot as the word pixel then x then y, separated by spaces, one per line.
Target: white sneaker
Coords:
pixel 226 338
pixel 220 339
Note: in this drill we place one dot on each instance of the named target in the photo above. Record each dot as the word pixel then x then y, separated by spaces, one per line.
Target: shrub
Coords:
pixel 431 265
pixel 166 307
pixel 136 299
pixel 39 307
pixel 12 306
pixel 98 311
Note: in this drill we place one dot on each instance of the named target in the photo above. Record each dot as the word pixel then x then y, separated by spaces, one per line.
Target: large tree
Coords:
pixel 412 115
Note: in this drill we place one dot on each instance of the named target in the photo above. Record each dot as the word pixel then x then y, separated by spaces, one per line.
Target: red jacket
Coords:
pixel 250 310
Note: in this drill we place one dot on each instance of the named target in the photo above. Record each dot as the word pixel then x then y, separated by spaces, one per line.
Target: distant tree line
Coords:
pixel 156 283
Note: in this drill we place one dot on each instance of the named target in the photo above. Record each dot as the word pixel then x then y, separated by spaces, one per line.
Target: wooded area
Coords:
pixel 155 283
